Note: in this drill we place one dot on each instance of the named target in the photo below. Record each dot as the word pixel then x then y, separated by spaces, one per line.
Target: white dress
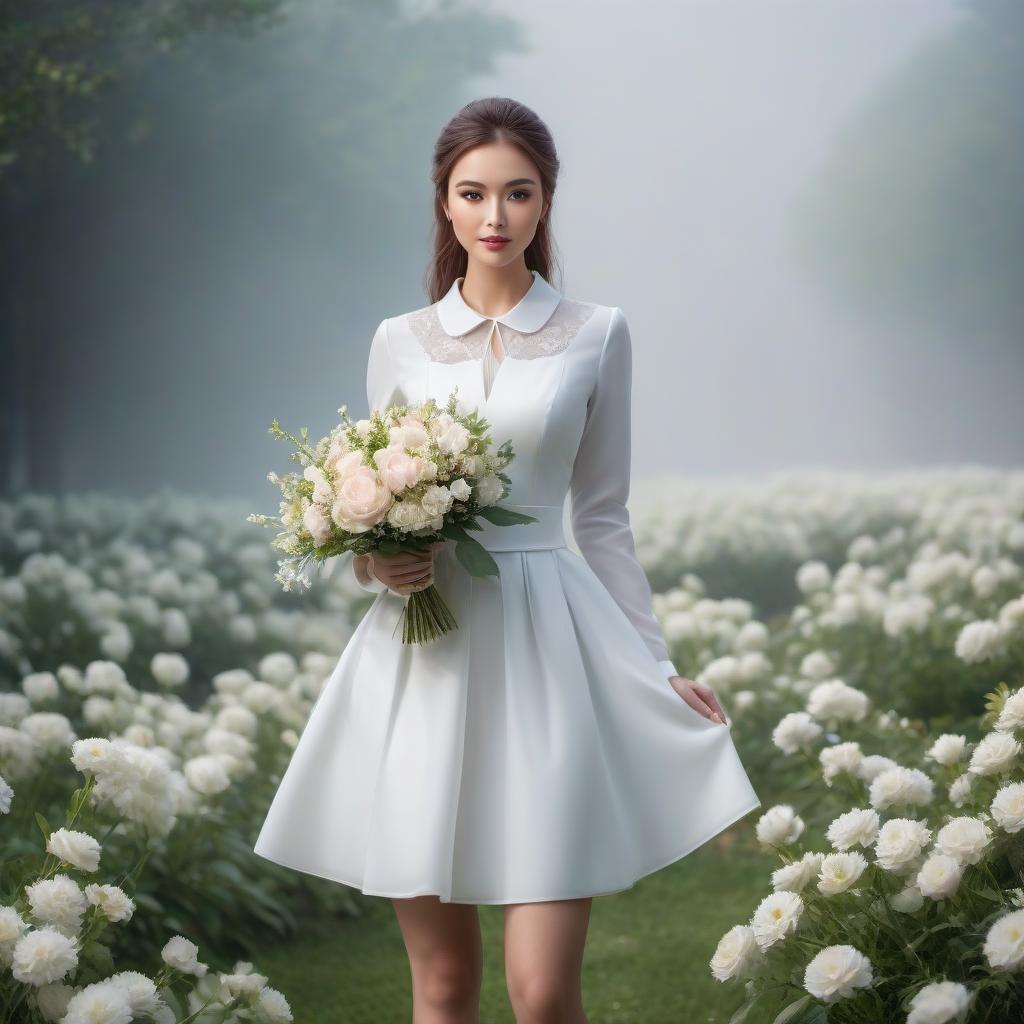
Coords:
pixel 537 752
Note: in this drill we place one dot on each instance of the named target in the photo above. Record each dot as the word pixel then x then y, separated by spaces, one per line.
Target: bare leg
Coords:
pixel 445 959
pixel 543 959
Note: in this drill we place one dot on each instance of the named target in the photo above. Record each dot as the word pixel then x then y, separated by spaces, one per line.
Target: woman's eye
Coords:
pixel 518 192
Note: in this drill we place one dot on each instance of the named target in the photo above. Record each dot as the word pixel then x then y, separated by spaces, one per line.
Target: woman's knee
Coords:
pixel 447 980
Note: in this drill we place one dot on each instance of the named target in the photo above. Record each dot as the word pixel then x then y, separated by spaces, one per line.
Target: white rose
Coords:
pixel 939 877
pixel 941 1002
pixel 900 843
pixel 837 972
pixel 1008 807
pixel 79 849
pixel 858 827
pixel 964 838
pixel 948 749
pixel 779 825
pixel 840 871
pixel 995 754
pixel 489 490
pixel 776 916
pixel 737 954
pixel 1004 943
pixel 460 490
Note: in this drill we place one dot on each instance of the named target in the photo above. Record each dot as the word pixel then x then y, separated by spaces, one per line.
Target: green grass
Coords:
pixel 646 958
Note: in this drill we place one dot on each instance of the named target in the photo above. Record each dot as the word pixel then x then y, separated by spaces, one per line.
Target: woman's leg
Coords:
pixel 543 959
pixel 445 958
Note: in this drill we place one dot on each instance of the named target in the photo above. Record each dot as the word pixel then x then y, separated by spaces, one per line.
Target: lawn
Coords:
pixel 646 959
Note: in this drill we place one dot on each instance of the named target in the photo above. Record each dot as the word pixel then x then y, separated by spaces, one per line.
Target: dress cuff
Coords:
pixel 668 669
pixel 374 586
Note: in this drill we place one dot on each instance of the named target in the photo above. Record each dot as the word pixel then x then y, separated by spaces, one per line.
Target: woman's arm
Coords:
pixel 600 489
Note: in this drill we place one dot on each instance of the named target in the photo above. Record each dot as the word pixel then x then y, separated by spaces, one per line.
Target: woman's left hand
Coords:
pixel 700 697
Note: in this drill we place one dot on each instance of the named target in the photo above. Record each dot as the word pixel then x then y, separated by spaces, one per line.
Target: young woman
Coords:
pixel 546 751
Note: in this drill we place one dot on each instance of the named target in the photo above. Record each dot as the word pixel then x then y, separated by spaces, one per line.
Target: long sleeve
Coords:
pixel 600 489
pixel 382 389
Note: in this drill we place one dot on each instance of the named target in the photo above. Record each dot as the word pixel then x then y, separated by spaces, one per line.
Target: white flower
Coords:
pixel 57 901
pixel 181 954
pixel 813 576
pixel 995 754
pixel 53 999
pixel 817 665
pixel 40 686
pixel 278 668
pixel 948 749
pixel 858 827
pixel 12 927
pixel 900 843
pixel 900 786
pixel 79 849
pixel 140 993
pixel 169 669
pixel 51 731
pixel 99 1003
pixel 842 757
pixel 795 731
pixel 1011 615
pixel 1004 943
pixel 939 876
pixel 776 916
pixel 980 641
pixel 6 796
pixel 488 490
pixel 460 490
pixel 908 900
pixel 271 1007
pixel 796 876
pixel 836 972
pixel 1008 807
pixel 206 774
pixel 964 838
pixel 840 871
pixel 43 955
pixel 832 699
pixel 873 765
pixel 115 903
pixel 779 825
pixel 960 789
pixel 941 1002
pixel 1012 715
pixel 736 955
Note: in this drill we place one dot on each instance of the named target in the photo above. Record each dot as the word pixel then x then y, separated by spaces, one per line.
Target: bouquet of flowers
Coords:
pixel 400 480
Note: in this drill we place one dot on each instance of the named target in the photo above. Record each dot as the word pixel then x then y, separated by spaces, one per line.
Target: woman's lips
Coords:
pixel 495 243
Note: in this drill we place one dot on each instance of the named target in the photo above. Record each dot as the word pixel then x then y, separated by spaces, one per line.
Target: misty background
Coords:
pixel 810 212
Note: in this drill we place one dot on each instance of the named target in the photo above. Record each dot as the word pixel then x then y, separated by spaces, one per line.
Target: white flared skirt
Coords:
pixel 535 753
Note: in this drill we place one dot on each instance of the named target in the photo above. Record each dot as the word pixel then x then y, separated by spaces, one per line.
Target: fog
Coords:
pixel 192 291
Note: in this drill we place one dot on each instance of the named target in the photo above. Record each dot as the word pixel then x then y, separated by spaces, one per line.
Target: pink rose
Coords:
pixel 399 470
pixel 363 500
pixel 346 464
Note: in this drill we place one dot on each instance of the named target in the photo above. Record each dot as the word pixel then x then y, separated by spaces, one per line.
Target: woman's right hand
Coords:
pixel 404 572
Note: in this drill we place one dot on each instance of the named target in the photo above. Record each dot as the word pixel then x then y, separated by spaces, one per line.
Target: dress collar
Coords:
pixel 529 314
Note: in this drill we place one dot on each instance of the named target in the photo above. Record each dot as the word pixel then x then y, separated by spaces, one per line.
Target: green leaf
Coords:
pixel 475 558
pixel 44 826
pixel 501 516
pixel 790 1012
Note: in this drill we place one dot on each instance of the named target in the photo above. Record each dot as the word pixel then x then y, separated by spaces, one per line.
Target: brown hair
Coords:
pixel 491 119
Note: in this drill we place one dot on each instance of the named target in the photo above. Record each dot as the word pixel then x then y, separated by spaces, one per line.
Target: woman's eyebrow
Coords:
pixel 508 184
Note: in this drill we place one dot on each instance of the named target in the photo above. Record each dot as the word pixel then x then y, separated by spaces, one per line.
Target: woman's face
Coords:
pixel 494 189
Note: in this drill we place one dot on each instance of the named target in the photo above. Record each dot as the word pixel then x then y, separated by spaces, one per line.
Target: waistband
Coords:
pixel 546 533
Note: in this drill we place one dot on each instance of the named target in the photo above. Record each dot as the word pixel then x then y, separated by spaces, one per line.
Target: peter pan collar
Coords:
pixel 529 314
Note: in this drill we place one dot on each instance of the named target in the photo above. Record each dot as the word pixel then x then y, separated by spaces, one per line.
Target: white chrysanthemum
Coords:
pixel 182 955
pixel 53 1000
pixel 948 749
pixel 737 954
pixel 115 903
pixel 753 636
pixel 237 718
pixel 840 872
pixel 49 730
pixel 12 927
pixel 243 982
pixel 206 774
pixel 939 876
pixel 836 972
pixel 842 757
pixel 79 849
pixel 980 641
pixel 817 665
pixel 43 955
pixel 795 877
pixel 140 786
pixel 907 901
pixel 858 827
pixel 911 614
pixel 232 681
pixel 278 668
pixel 873 765
pixel 102 1002
pixel 1012 715
pixel 964 838
pixel 813 576
pixel 223 741
pixel 57 901
pixel 795 731
pixel 263 698
pixel 13 708
pixel 6 796
pixel 776 916
pixel 901 786
pixel 900 844
pixel 1007 807
pixel 960 789
pixel 140 992
pixel 1004 943
pixel 834 700
pixel 995 754
pixel 169 669
pixel 779 825
pixel 941 1002
pixel 40 686
pixel 271 1007
pixel 1011 615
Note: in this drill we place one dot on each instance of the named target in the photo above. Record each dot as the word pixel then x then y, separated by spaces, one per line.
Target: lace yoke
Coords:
pixel 562 326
